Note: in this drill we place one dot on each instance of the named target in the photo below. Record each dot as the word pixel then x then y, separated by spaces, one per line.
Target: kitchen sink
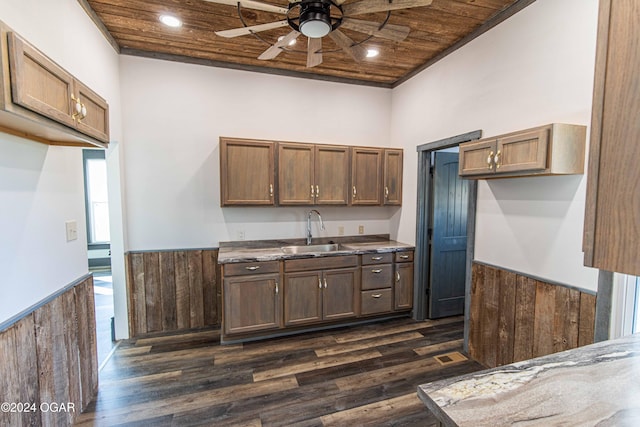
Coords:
pixel 305 249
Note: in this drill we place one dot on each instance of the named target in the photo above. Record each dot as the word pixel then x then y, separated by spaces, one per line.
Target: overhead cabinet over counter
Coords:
pixel 41 101
pixel 258 172
pixel 555 149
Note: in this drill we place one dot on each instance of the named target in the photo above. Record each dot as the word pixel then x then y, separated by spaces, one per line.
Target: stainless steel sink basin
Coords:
pixel 305 249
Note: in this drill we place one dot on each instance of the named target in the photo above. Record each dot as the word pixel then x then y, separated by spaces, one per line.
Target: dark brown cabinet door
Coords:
pixel 612 214
pixel 392 177
pixel 340 293
pixel 296 184
pixel 403 286
pixel 246 172
pixel 366 176
pixel 302 298
pixel 331 175
pixel 252 303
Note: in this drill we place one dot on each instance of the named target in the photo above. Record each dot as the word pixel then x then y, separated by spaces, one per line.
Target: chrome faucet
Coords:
pixel 309 224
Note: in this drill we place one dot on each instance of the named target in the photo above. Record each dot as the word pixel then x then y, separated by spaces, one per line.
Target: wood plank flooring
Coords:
pixel 355 376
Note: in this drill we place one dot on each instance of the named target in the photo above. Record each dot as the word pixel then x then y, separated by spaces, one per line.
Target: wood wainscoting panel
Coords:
pixel 514 317
pixel 49 357
pixel 172 290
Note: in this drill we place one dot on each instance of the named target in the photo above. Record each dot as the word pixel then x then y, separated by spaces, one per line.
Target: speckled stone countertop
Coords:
pixel 595 385
pixel 270 250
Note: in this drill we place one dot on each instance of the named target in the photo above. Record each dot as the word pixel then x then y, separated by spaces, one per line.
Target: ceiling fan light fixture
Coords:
pixel 315 19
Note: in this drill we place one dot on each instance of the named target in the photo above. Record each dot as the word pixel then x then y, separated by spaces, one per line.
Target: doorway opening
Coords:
pixel 445 231
pixel 99 248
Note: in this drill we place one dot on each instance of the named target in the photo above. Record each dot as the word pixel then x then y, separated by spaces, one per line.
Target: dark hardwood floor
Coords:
pixel 355 376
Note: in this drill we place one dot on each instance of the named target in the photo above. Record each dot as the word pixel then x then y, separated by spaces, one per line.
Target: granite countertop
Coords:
pixel 270 250
pixel 594 385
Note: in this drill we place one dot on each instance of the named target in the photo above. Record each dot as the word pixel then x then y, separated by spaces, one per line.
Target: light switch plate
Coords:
pixel 361 229
pixel 72 230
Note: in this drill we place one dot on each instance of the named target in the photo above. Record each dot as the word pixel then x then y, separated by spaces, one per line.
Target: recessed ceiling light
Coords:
pixel 372 53
pixel 170 21
pixel 291 43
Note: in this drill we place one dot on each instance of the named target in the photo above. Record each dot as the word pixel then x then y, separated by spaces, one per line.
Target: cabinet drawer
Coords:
pixel 378 301
pixel 377 276
pixel 385 258
pixel 245 268
pixel 404 256
pixel 321 263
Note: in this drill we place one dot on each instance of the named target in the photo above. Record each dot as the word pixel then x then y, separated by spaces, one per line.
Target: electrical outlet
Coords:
pixel 71 228
pixel 361 229
pixel 341 230
pixel 241 235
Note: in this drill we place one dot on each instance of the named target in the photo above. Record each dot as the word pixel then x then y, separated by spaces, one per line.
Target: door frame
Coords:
pixel 423 217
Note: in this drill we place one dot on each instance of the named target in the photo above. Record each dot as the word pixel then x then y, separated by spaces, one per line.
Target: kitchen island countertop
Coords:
pixel 594 385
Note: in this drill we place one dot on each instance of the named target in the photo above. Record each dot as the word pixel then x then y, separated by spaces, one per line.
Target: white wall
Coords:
pixel 41 187
pixel 533 69
pixel 173 116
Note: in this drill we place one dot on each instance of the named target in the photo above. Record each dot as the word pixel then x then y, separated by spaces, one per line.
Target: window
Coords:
pixel 626 305
pixel 95 173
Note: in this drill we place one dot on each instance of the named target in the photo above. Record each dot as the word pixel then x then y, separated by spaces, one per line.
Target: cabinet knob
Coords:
pixel 271 190
pixel 497 159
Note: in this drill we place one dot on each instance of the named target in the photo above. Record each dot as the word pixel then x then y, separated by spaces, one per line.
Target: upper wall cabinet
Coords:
pixel 612 214
pixel 247 172
pixel 555 149
pixel 366 176
pixel 39 100
pixel 311 174
pixel 257 172
pixel 392 177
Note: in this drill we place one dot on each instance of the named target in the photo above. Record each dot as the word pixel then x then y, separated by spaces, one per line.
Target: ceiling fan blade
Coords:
pixel 275 50
pixel 371 6
pixel 252 4
pixel 251 29
pixel 314 56
pixel 389 31
pixel 356 52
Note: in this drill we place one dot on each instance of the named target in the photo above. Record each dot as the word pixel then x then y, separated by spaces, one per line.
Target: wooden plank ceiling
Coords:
pixel 436 30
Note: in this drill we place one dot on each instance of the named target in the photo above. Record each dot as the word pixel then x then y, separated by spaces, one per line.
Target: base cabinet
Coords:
pixel 403 287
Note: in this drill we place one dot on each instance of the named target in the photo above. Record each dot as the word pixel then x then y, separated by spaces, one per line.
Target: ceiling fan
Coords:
pixel 318 18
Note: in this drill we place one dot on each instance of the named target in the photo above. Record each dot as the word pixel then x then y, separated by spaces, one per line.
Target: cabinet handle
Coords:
pixel 312 195
pixel 497 159
pixel 319 283
pixel 397 276
pixel 376 295
pixel 377 270
pixel 317 191
pixel 277 287
pixel 490 160
pixel 325 283
pixel 386 192
pixel 404 256
pixel 253 268
pixel 376 258
pixel 354 192
pixel 79 109
pixel 270 190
